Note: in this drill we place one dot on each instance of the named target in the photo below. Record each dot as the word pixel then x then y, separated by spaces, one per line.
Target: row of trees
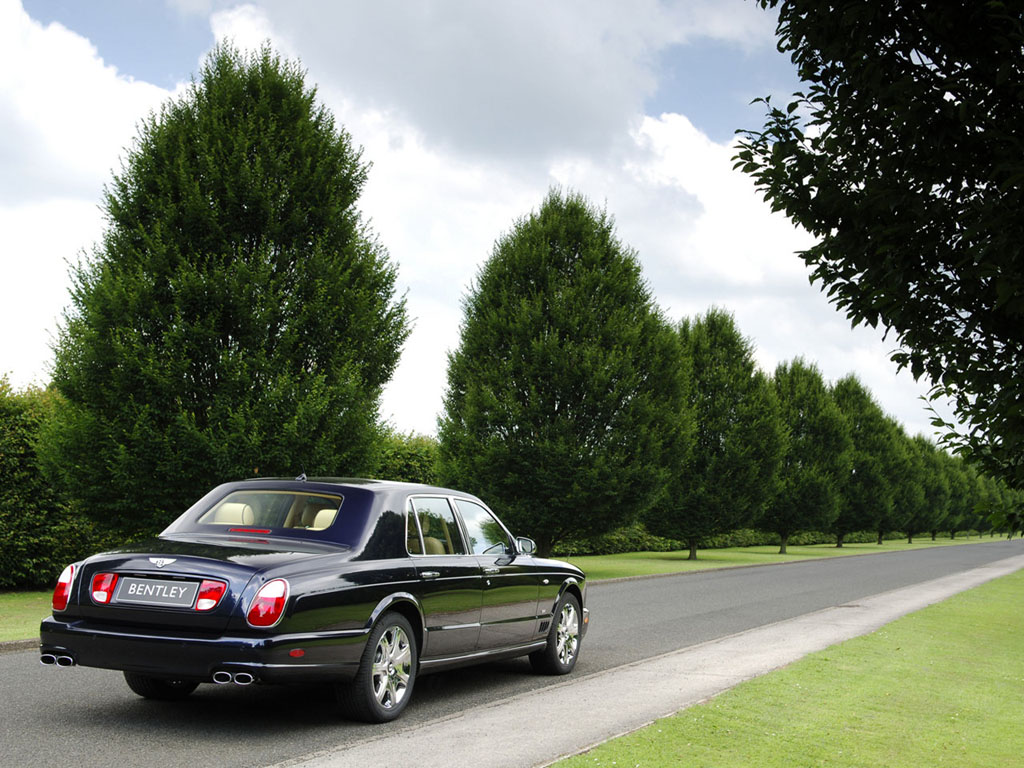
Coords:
pixel 577 407
pixel 239 318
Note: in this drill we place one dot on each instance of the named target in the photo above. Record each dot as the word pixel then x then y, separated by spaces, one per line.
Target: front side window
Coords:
pixel 438 531
pixel 486 536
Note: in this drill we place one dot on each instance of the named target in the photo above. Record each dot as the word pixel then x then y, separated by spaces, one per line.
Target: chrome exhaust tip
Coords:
pixel 47 659
pixel 244 678
pixel 220 677
pixel 65 661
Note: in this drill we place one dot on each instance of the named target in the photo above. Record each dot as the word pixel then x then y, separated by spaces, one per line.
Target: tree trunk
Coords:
pixel 693 549
pixel 839 540
pixel 934 534
pixel 544 545
pixel 881 538
pixel 910 538
pixel 952 535
pixel 783 541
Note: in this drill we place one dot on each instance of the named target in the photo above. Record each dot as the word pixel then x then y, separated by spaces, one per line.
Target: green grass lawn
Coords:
pixel 940 687
pixel 21 612
pixel 651 563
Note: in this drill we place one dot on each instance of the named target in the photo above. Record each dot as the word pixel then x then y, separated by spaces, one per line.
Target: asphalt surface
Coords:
pixel 86 717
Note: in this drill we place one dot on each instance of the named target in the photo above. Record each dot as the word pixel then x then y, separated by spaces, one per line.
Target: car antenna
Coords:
pixel 302 477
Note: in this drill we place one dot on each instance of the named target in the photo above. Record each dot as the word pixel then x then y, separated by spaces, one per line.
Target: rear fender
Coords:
pixel 406 604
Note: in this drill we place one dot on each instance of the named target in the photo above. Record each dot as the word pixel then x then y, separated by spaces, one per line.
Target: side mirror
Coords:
pixel 526 546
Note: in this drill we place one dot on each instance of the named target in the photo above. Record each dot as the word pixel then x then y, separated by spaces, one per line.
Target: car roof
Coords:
pixel 370 484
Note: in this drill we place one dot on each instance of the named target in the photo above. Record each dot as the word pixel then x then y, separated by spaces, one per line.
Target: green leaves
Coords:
pixel 911 183
pixel 739 437
pixel 818 456
pixel 565 398
pixel 238 317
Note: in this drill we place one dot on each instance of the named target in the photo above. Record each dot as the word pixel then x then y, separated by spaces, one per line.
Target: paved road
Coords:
pixel 84 717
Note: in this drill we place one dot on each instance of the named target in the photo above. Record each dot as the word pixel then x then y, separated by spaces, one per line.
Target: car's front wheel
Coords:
pixel 383 685
pixel 161 688
pixel 559 656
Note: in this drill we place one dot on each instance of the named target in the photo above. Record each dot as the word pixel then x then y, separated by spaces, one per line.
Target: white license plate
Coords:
pixel 156 592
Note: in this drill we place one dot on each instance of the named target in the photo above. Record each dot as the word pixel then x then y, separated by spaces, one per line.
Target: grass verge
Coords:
pixel 938 687
pixel 21 612
pixel 652 563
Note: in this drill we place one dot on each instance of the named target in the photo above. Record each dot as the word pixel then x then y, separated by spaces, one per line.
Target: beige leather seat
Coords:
pixel 234 513
pixel 323 519
pixel 433 546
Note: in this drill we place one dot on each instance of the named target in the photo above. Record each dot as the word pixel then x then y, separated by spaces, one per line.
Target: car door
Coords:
pixel 511 588
pixel 451 580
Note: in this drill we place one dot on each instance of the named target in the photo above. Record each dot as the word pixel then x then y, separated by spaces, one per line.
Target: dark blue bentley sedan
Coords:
pixel 361 583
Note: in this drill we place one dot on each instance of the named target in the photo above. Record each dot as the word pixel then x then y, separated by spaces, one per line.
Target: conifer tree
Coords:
pixel 866 491
pixel 238 317
pixel 739 437
pixel 817 458
pixel 566 401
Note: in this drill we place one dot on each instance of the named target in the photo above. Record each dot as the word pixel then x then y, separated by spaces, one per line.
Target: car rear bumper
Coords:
pixel 270 658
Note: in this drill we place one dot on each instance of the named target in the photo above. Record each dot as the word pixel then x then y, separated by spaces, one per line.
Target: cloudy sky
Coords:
pixel 469 112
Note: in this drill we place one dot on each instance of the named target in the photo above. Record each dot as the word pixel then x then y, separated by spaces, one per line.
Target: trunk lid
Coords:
pixel 158 580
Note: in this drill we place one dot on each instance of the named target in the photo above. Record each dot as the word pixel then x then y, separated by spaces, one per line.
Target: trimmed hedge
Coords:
pixel 636 538
pixel 39 533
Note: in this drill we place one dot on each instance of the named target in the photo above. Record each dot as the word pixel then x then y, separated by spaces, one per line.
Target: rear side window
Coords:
pixel 432 529
pixel 267 511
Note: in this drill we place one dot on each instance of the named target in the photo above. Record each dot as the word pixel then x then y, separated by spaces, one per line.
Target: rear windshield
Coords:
pixel 270 511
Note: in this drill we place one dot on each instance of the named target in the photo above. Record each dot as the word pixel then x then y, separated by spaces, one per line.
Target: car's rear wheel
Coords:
pixel 161 688
pixel 383 685
pixel 559 656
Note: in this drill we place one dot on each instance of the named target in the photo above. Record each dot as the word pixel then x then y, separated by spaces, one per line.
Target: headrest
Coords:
pixel 323 519
pixel 234 513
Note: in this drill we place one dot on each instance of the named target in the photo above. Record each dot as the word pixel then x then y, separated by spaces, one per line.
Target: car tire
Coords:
pixel 559 656
pixel 383 685
pixel 160 688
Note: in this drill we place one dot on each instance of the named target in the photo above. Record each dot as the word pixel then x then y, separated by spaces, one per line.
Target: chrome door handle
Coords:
pixel 492 571
pixel 430 574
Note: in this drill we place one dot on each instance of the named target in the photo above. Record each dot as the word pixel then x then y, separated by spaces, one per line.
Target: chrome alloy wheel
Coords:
pixel 392 665
pixel 567 638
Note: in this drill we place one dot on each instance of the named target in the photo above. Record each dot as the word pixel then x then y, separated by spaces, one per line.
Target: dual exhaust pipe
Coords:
pixel 222 677
pixel 58 659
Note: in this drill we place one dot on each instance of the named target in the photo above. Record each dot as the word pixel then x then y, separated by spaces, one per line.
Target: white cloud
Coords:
pixel 65 118
pixel 469 112
pixel 68 115
pixel 39 240
pixel 524 81
pixel 246 26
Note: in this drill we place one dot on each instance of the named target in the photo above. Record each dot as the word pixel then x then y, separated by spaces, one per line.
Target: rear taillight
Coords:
pixel 267 607
pixel 62 592
pixel 210 593
pixel 103 587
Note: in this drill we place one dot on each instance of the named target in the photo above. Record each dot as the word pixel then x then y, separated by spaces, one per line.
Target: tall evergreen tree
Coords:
pixel 962 497
pixel 566 398
pixel 909 498
pixel 866 491
pixel 936 488
pixel 931 513
pixel 818 456
pixel 739 437
pixel 238 317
